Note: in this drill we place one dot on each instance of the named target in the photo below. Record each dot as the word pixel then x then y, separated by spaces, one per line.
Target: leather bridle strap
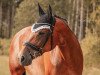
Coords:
pixel 34 47
pixel 28 44
pixel 52 29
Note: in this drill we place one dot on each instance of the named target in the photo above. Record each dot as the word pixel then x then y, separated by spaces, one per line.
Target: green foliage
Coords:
pixel 4 46
pixel 93 57
pixel 25 14
pixel 95 20
pixel 88 42
pixel 91 43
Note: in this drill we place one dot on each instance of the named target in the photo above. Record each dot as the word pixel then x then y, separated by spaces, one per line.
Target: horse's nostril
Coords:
pixel 22 58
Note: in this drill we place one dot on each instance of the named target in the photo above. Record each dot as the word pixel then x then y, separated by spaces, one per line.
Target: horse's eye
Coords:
pixel 41 33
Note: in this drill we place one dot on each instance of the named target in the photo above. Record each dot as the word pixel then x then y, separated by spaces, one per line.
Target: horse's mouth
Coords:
pixel 26 60
pixel 26 63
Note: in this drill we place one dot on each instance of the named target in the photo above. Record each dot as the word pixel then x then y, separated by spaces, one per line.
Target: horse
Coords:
pixel 48 47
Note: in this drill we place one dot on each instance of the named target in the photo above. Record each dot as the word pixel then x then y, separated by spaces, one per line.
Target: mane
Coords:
pixel 61 18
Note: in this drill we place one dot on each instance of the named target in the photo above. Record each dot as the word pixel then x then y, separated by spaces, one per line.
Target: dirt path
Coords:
pixel 4 68
pixel 91 71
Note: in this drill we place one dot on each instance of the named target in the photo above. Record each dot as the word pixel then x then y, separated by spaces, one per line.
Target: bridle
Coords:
pixel 38 50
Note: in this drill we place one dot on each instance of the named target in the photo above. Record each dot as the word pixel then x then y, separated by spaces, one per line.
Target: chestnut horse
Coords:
pixel 48 47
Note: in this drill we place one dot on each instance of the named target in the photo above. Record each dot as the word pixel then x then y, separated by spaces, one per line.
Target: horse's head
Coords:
pixel 41 30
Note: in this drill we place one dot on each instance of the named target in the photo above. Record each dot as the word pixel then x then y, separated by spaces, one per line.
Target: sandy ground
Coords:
pixel 4 68
pixel 4 65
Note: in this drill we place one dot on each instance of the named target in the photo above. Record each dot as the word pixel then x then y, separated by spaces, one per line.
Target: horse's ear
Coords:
pixel 41 12
pixel 50 16
pixel 49 12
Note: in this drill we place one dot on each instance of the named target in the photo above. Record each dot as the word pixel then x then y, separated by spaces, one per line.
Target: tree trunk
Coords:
pixel 94 5
pixel 10 19
pixel 87 17
pixel 72 16
pixel 10 15
pixel 8 22
pixel 69 12
pixel 81 22
pixel 76 17
pixel 1 19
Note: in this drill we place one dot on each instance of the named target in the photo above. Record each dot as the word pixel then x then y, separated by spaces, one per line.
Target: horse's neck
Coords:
pixel 65 39
pixel 67 51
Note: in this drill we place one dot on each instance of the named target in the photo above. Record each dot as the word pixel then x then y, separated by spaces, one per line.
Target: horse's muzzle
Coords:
pixel 26 58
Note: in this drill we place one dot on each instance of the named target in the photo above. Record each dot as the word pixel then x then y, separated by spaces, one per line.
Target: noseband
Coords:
pixel 36 48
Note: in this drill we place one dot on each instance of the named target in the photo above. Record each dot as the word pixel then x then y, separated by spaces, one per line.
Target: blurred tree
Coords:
pixel 25 15
pixel 7 10
pixel 0 18
pixel 76 17
pixel 91 42
pixel 81 21
pixel 72 23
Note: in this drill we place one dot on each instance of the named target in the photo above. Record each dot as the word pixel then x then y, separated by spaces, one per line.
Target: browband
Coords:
pixel 39 26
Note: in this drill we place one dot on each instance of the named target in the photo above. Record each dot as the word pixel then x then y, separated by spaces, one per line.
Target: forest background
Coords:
pixel 83 17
